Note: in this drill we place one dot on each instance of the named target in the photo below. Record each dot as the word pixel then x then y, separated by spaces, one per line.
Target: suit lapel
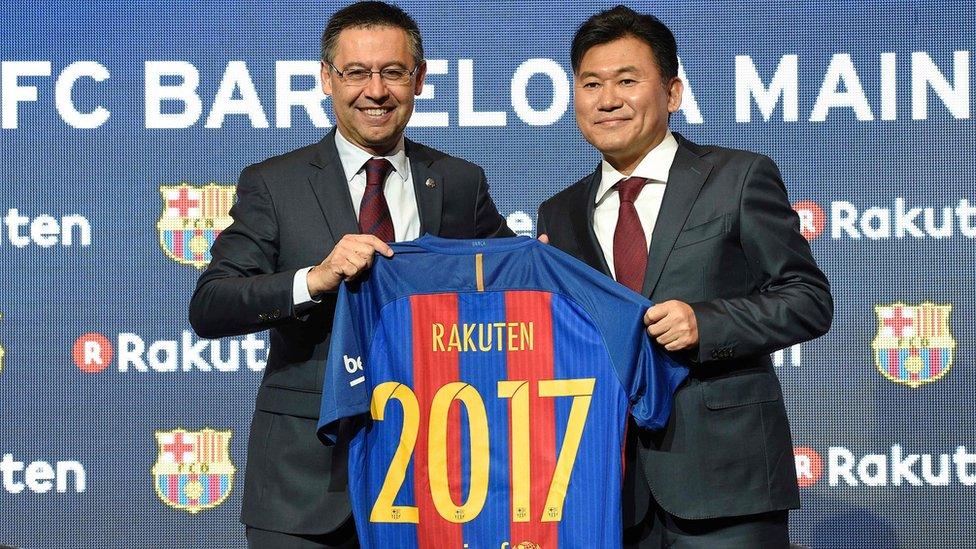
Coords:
pixel 332 191
pixel 688 174
pixel 428 187
pixel 590 250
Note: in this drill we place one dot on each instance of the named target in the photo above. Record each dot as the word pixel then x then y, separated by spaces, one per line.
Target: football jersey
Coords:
pixel 485 387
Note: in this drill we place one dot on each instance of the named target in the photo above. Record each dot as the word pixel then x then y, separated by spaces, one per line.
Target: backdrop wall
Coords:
pixel 125 126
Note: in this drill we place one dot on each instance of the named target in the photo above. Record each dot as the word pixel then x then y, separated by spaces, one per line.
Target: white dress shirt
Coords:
pixel 397 188
pixel 654 166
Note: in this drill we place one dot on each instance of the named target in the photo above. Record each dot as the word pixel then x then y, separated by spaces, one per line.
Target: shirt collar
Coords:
pixel 654 166
pixel 353 158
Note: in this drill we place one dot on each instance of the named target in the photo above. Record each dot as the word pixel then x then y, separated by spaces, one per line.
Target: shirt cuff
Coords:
pixel 300 294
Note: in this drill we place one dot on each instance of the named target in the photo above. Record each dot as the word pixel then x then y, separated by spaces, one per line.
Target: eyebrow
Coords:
pixel 621 70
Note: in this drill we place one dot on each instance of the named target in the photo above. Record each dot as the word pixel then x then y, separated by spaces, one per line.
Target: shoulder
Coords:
pixel 440 161
pixel 724 158
pixel 286 163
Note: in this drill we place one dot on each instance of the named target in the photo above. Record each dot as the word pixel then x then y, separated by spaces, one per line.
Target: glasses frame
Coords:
pixel 342 76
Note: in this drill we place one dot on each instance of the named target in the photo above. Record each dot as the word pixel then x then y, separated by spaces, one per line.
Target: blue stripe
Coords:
pixel 394 338
pixel 182 490
pixel 205 496
pixel 591 510
pixel 483 370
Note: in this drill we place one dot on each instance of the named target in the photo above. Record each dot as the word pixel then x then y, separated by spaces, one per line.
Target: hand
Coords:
pixel 672 324
pixel 350 257
pixel 544 238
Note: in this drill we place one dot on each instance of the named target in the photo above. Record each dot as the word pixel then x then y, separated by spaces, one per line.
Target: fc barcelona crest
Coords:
pixel 192 218
pixel 193 471
pixel 914 345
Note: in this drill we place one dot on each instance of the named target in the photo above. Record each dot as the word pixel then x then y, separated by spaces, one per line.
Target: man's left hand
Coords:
pixel 672 324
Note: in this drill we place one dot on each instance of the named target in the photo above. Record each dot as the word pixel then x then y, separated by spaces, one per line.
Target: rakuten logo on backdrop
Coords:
pixel 900 219
pixel 93 352
pixel 43 230
pixel 41 477
pixel 896 467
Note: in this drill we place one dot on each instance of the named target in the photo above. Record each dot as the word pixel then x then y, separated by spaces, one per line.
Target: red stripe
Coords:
pixel 173 488
pixel 893 363
pixel 433 370
pixel 935 362
pixel 532 366
pixel 214 488
pixel 178 244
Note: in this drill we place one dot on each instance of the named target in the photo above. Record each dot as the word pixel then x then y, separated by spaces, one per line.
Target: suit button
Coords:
pixel 715 353
pixel 275 314
pixel 262 317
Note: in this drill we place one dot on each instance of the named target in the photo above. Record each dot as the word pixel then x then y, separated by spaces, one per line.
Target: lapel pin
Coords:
pixel 430 183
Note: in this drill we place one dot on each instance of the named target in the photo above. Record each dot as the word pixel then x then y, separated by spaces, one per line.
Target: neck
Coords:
pixel 626 163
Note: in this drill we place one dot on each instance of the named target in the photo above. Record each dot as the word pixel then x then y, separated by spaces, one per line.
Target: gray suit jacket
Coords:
pixel 727 242
pixel 291 211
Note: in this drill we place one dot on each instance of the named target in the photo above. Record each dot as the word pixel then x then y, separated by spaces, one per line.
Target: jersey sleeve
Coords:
pixel 344 389
pixel 656 378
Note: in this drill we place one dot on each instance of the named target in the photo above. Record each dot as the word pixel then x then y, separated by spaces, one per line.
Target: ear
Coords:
pixel 421 73
pixel 675 90
pixel 325 73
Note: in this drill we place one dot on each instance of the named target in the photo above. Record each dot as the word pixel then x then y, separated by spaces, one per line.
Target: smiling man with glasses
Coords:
pixel 363 185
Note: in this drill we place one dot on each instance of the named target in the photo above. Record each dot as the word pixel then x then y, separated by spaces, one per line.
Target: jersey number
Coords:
pixel 517 391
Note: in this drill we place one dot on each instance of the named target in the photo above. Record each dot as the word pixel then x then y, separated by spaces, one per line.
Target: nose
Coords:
pixel 608 99
pixel 376 88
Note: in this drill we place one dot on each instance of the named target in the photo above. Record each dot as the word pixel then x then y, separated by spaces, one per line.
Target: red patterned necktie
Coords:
pixel 374 213
pixel 629 244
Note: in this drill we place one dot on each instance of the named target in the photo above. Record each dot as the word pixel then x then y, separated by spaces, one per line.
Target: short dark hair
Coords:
pixel 371 14
pixel 621 22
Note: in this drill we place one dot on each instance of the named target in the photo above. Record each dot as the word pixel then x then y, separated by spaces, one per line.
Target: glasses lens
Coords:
pixel 356 76
pixel 396 76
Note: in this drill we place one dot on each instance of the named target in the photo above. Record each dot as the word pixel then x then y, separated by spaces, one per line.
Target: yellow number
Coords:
pixel 383 509
pixel 437 452
pixel 518 391
pixel 582 392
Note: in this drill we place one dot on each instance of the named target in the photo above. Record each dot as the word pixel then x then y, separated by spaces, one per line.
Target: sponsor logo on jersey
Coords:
pixel 193 471
pixel 897 467
pixel 914 345
pixel 93 353
pixel 192 218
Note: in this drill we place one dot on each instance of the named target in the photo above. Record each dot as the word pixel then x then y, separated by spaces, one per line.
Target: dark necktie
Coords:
pixel 629 244
pixel 374 213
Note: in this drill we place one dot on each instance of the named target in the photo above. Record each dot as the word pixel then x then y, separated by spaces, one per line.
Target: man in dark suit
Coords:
pixel 709 235
pixel 342 198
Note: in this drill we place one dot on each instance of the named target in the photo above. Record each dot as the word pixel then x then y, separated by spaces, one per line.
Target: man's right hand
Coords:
pixel 351 256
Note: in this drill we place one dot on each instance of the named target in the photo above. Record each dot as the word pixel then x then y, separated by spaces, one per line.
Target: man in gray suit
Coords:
pixel 709 235
pixel 343 199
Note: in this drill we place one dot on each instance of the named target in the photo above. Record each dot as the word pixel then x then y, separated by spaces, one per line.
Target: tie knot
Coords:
pixel 376 170
pixel 629 188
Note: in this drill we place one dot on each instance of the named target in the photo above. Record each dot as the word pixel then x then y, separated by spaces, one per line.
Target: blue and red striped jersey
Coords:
pixel 487 385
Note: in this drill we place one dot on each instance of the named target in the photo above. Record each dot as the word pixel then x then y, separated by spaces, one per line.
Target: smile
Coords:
pixel 376 112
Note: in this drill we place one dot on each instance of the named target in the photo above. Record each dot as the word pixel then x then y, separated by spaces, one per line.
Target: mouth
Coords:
pixel 611 121
pixel 376 113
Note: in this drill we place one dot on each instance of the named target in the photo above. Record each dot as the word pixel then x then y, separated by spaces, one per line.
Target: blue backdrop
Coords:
pixel 117 116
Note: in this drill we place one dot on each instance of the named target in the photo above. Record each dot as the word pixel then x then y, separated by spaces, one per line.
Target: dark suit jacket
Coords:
pixel 291 211
pixel 727 242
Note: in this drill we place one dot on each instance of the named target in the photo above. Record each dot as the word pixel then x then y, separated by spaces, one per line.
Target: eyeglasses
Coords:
pixel 358 76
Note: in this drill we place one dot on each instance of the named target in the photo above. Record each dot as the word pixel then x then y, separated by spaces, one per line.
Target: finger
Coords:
pixel 544 238
pixel 659 328
pixel 675 345
pixel 655 313
pixel 376 244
